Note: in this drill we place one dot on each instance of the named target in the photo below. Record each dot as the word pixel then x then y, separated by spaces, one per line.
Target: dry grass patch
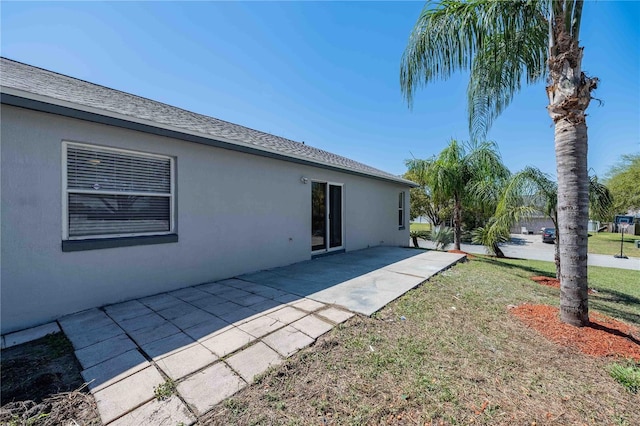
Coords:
pixel 42 385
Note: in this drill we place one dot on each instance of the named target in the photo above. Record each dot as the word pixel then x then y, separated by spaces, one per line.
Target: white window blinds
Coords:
pixel 117 193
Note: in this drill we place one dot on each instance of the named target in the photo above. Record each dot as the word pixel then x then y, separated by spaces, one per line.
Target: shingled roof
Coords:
pixel 36 88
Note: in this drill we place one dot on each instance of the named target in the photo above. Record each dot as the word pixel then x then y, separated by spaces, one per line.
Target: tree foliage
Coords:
pixel 463 174
pixel 503 44
pixel 422 203
pixel 531 192
pixel 623 180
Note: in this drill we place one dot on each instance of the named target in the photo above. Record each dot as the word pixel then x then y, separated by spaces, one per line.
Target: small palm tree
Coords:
pixel 461 173
pixel 530 192
pixel 442 237
pixel 504 44
pixel 491 236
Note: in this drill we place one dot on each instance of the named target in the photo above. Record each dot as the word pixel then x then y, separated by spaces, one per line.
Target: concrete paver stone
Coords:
pixel 336 315
pixel 208 302
pixel 102 351
pixel 287 298
pixel 208 329
pixel 233 294
pixel 308 305
pixel 121 397
pixel 23 336
pixel 185 362
pixel 269 292
pixel 144 321
pixel 250 287
pixel 224 308
pixel 168 345
pixel 114 369
pixel 312 326
pixel 188 294
pixel 239 315
pixel 169 412
pixel 91 336
pixel 261 326
pixel 251 299
pixel 287 315
pixel 234 282
pixel 227 342
pixel 176 310
pixel 210 386
pixel 288 341
pixel 254 360
pixel 126 310
pixel 192 318
pixel 157 332
pixel 159 301
pixel 267 306
pixel 213 288
pixel 81 322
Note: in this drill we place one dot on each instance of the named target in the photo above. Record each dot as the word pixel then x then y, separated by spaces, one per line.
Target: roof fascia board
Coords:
pixel 45 104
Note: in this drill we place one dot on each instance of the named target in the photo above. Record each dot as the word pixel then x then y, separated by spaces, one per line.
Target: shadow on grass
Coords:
pixel 616 304
pixel 619 297
pixel 506 265
pixel 610 302
pixel 614 312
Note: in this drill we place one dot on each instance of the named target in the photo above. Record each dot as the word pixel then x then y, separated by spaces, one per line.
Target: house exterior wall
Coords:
pixel 533 225
pixel 235 213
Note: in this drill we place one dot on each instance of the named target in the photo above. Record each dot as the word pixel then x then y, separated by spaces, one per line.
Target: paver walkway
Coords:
pixel 211 340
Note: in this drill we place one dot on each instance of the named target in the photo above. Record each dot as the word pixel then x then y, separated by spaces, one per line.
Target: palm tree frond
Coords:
pixel 498 72
pixel 450 33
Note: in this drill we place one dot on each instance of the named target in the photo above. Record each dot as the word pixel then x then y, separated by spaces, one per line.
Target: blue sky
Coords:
pixel 326 73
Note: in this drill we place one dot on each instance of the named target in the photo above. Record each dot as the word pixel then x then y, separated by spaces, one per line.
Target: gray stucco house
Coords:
pixel 108 196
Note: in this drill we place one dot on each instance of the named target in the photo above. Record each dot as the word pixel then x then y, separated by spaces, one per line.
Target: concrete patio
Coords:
pixel 211 340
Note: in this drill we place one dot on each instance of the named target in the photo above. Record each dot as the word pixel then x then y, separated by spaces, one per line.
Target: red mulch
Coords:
pixel 604 336
pixel 469 256
pixel 551 282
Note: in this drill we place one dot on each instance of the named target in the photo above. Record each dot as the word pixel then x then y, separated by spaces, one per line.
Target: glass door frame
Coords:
pixel 327 211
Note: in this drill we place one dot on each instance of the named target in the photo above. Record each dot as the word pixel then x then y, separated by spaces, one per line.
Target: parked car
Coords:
pixel 549 235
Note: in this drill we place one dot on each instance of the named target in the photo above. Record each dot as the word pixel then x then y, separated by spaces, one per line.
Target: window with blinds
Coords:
pixel 112 192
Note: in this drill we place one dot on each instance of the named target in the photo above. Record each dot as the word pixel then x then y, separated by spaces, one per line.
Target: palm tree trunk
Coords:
pixel 573 215
pixel 569 93
pixel 457 222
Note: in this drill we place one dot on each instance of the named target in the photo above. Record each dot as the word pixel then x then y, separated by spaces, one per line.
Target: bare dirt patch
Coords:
pixel 42 385
pixel 604 336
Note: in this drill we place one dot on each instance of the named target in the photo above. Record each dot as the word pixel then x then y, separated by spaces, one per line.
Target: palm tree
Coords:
pixel 504 44
pixel 461 173
pixel 530 192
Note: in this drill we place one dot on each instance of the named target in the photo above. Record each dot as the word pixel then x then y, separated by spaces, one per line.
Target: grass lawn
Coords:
pixel 599 243
pixel 449 352
pixel 609 243
pixel 414 226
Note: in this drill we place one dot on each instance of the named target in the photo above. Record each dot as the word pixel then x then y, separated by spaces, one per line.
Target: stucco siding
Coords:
pixel 235 213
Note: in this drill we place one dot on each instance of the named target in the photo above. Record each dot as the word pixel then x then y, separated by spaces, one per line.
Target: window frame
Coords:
pixel 402 202
pixel 123 236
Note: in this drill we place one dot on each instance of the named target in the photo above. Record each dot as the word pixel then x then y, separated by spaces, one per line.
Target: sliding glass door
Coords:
pixel 326 216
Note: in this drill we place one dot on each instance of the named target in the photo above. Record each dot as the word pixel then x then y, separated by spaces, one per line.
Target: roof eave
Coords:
pixel 29 100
